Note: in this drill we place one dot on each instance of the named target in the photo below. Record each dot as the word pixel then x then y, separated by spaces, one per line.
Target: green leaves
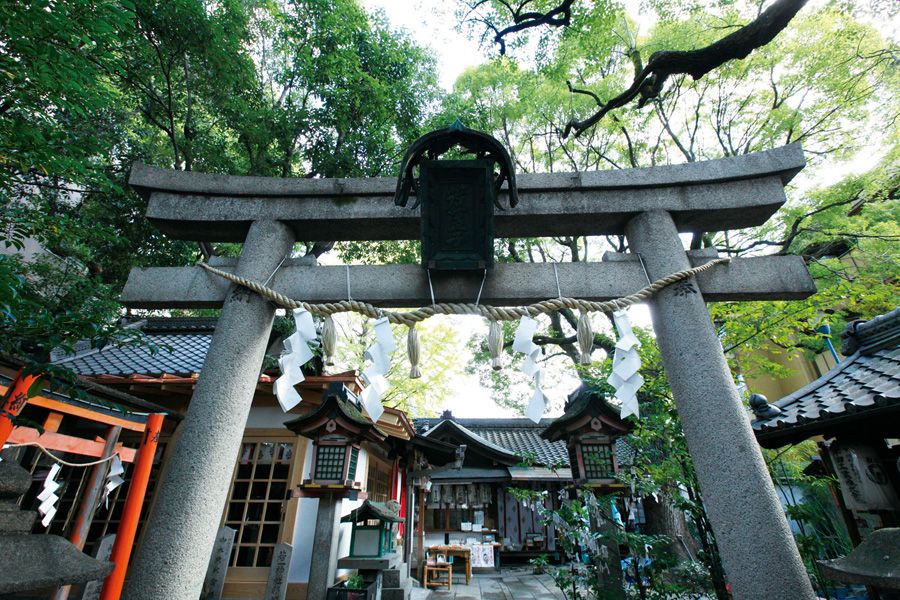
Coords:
pixel 55 58
pixel 88 87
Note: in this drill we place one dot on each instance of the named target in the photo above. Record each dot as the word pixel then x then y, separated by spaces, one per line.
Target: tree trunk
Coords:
pixel 665 519
pixel 609 568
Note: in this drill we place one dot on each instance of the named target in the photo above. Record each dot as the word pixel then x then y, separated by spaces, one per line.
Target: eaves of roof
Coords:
pixel 91 395
pixel 497 452
pixel 863 387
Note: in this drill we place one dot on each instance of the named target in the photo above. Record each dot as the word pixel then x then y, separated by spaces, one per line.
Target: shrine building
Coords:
pixel 450 477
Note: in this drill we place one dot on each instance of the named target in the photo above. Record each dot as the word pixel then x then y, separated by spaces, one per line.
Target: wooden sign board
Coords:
pixel 102 552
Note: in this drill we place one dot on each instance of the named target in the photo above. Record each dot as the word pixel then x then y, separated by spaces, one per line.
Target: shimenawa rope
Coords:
pixel 61 461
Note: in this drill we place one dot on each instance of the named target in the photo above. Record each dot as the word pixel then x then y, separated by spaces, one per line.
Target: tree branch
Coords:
pixel 697 63
pixel 559 16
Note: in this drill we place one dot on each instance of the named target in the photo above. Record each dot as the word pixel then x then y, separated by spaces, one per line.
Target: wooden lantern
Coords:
pixel 590 427
pixel 336 427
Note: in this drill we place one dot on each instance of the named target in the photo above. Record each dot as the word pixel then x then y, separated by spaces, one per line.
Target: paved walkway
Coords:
pixel 509 585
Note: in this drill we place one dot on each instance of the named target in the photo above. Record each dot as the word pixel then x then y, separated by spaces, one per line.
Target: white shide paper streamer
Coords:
pixel 48 497
pixel 113 478
pixel 626 364
pixel 524 343
pixel 375 374
pixel 296 354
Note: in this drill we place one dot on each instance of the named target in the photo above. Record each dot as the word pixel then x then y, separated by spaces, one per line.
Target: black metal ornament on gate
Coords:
pixel 457 197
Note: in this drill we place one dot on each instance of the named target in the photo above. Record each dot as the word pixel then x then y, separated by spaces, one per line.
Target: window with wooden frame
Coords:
pixel 255 507
pixel 378 480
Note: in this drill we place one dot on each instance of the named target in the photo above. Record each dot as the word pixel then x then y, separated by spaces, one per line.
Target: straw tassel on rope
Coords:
pixel 412 348
pixel 585 336
pixel 495 344
pixel 329 339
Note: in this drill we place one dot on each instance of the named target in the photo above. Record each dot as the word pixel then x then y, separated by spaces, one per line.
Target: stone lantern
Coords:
pixel 337 427
pixel 457 197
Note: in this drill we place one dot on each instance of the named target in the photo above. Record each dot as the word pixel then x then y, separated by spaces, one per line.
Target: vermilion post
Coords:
pixel 131 512
pixel 13 402
pixel 89 502
pixel 403 503
pixel 393 493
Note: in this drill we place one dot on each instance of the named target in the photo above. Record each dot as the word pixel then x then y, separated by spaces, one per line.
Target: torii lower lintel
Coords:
pixel 517 284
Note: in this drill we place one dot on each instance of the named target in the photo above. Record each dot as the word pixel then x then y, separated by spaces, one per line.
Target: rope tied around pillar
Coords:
pixel 60 461
pixel 493 313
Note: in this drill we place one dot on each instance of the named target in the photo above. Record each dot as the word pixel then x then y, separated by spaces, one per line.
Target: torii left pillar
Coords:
pixel 174 554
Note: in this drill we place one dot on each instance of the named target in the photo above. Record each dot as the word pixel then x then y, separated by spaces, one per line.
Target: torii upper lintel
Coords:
pixel 715 195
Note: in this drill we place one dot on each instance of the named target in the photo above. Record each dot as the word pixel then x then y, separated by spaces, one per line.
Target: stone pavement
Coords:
pixel 518 584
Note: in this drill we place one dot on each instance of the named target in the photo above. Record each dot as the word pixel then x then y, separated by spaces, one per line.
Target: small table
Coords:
pixel 463 552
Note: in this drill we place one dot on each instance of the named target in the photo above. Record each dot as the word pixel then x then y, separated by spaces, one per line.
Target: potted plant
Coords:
pixel 353 588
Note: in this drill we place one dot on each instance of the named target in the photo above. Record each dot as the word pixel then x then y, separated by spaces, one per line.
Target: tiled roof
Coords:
pixel 369 510
pixel 585 401
pixel 522 437
pixel 180 344
pixel 865 384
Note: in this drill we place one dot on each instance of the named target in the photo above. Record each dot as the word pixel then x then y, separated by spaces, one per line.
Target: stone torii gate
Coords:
pixel 650 206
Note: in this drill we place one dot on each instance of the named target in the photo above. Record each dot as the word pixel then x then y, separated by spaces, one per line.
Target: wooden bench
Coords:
pixel 433 575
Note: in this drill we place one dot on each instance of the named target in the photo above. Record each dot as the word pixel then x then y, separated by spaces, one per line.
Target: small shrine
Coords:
pixel 372 554
pixel 590 427
pixel 373 529
pixel 336 427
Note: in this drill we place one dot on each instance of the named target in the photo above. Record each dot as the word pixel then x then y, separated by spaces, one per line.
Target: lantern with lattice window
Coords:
pixel 337 427
pixel 590 427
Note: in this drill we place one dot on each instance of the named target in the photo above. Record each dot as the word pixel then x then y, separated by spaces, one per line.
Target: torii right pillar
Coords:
pixel 750 528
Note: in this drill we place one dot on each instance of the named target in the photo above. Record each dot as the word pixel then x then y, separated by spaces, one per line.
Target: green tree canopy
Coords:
pixel 87 87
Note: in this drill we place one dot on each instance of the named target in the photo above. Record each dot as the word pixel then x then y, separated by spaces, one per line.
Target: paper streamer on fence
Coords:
pixel 48 497
pixel 524 343
pixel 113 478
pixel 375 374
pixel 296 354
pixel 626 364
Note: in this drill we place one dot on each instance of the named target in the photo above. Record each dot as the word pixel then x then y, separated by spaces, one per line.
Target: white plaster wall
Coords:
pixel 305 525
pixel 346 529
pixel 268 417
pixel 346 532
pixel 307 511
